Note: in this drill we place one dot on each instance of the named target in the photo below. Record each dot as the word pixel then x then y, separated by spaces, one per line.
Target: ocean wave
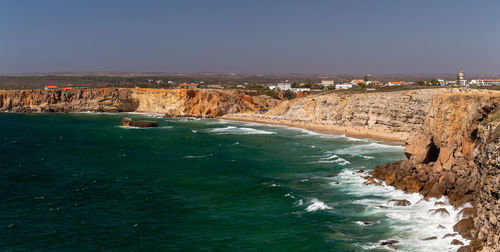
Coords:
pixel 240 131
pixel 144 128
pixel 317 205
pixel 357 150
pixel 333 159
pixel 201 156
pixel 410 224
pixel 154 115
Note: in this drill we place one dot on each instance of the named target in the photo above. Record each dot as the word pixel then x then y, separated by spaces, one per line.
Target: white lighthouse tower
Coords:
pixel 460 78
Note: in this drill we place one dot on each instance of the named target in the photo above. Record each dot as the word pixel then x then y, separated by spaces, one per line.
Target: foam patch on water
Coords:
pixel 409 224
pixel 196 157
pixel 240 131
pixel 334 159
pixel 317 205
pixel 370 148
pixel 215 122
pixel 154 115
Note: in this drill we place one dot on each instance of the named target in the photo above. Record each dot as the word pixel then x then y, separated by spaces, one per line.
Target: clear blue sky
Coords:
pixel 349 36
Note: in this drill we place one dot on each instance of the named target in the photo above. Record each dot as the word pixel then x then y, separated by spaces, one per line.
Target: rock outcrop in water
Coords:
pixel 128 122
pixel 171 102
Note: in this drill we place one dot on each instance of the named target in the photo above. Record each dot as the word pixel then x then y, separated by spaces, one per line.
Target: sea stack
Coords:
pixel 128 122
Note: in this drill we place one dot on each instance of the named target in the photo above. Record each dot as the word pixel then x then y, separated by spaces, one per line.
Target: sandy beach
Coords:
pixel 358 132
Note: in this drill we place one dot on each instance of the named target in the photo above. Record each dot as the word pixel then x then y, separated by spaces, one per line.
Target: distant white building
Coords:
pixel 373 82
pixel 281 86
pixel 396 83
pixel 343 86
pixel 486 82
pixel 301 90
pixel 327 83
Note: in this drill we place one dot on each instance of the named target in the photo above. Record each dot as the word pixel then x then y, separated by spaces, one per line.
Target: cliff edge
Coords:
pixel 171 102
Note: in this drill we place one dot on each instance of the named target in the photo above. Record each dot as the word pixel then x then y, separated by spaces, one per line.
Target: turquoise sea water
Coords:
pixel 79 182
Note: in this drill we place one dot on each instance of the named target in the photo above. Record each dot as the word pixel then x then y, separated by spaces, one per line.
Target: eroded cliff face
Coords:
pixel 457 155
pixel 67 100
pixel 403 111
pixel 172 102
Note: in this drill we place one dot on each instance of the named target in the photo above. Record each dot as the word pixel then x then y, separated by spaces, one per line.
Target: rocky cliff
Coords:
pixel 383 115
pixel 172 102
pixel 453 145
pixel 457 155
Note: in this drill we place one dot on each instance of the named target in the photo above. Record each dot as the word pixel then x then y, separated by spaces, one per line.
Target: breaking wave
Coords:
pixel 317 205
pixel 410 224
pixel 240 131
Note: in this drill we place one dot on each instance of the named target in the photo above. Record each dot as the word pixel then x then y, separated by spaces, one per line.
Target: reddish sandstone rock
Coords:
pixel 464 227
pixel 437 191
pixel 418 147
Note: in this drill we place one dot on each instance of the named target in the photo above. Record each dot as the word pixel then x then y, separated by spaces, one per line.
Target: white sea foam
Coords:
pixel 333 159
pixel 212 122
pixel 240 131
pixel 95 113
pixel 155 115
pixel 201 156
pixel 317 205
pixel 299 202
pixel 370 148
pixel 410 224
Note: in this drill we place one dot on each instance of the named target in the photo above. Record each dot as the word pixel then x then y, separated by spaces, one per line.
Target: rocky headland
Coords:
pixel 452 135
pixel 452 138
pixel 170 102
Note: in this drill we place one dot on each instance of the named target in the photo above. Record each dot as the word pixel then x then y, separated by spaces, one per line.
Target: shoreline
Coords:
pixel 356 132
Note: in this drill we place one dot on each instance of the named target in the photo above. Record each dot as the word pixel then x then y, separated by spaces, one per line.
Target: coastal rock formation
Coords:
pixel 172 102
pixel 387 115
pixel 453 144
pixel 128 122
pixel 68 100
pixel 457 155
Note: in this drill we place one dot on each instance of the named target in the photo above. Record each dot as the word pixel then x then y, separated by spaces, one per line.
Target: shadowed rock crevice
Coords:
pixel 432 153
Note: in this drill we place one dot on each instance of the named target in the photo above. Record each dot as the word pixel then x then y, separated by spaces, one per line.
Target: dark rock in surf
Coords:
pixel 396 202
pixel 440 211
pixel 464 249
pixel 368 223
pixel 127 122
pixel 464 227
pixel 449 235
pixel 466 213
pixel 439 203
pixel 456 242
pixel 430 238
pixel 390 244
